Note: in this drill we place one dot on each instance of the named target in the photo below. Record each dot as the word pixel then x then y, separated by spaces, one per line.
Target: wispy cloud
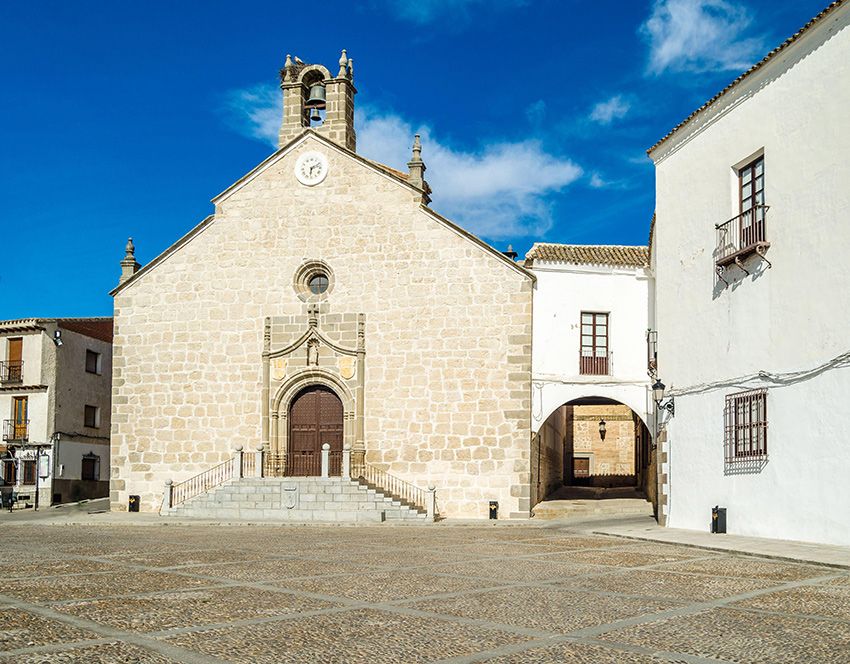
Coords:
pixel 597 182
pixel 536 112
pixel 426 11
pixel 502 190
pixel 699 35
pixel 615 108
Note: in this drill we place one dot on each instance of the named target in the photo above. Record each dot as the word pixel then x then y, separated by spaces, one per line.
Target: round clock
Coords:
pixel 311 168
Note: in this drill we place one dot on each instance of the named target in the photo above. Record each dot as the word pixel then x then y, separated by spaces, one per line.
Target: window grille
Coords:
pixel 746 425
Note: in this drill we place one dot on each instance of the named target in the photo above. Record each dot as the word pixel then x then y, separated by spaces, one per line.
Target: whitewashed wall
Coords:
pixel 563 291
pixel 793 317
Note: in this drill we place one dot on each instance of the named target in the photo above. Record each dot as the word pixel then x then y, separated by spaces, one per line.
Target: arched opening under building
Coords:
pixel 590 449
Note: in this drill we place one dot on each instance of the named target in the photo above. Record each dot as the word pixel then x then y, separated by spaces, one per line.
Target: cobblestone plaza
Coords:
pixel 474 593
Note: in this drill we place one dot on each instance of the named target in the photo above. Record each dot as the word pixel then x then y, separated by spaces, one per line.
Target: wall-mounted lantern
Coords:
pixel 658 396
pixel 602 429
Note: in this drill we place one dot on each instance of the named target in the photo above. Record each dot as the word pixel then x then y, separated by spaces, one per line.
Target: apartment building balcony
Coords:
pixel 740 237
pixel 11 372
pixel 597 364
pixel 15 431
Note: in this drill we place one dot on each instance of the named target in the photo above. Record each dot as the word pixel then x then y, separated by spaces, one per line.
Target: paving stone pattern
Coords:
pixel 439 593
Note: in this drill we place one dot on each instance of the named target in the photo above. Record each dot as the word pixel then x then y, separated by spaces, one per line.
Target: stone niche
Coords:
pixel 312 348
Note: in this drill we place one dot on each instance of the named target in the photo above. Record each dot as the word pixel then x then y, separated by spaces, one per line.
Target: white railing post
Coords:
pixel 237 459
pixel 431 502
pixel 258 461
pixel 167 498
pixel 326 459
pixel 346 461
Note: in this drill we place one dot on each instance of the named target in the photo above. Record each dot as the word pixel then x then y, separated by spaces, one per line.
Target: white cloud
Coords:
pixel 597 182
pixel 426 11
pixel 536 112
pixel 255 112
pixel 500 191
pixel 605 112
pixel 699 35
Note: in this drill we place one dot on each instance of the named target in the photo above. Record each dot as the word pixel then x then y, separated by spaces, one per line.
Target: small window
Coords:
pixel 581 466
pixel 746 425
pixel 28 471
pixel 8 471
pixel 318 283
pixel 92 417
pixel 594 355
pixel 751 179
pixel 90 469
pixel 93 362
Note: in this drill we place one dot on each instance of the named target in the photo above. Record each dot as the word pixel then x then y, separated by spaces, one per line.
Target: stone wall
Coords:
pixel 613 456
pixel 547 455
pixel 447 336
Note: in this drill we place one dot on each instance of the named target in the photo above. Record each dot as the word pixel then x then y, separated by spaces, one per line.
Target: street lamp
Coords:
pixel 658 396
pixel 602 429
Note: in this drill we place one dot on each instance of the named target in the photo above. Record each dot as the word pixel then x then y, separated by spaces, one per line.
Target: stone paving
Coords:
pixel 448 593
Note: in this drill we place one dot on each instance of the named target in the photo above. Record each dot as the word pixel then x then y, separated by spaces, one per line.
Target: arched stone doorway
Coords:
pixel 592 448
pixel 315 418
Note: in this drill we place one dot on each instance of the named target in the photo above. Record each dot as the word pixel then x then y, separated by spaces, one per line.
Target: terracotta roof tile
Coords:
pixel 832 6
pixel 589 254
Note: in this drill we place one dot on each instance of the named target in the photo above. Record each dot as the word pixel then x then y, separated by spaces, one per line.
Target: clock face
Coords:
pixel 311 168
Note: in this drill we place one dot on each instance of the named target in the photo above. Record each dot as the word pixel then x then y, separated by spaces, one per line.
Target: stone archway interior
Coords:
pixel 315 418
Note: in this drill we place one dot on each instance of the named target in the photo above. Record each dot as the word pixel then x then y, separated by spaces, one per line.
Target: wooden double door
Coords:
pixel 315 418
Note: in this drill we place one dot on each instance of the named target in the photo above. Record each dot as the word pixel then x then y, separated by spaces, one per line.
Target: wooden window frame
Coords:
pixel 98 362
pixel 745 427
pixel 9 472
pixel 29 471
pixel 595 364
pixel 95 418
pixel 751 169
pixel 93 461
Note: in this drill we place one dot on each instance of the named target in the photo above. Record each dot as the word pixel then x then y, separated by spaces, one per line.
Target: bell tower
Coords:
pixel 312 97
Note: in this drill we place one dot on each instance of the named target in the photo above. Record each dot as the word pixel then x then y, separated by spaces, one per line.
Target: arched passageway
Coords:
pixel 593 448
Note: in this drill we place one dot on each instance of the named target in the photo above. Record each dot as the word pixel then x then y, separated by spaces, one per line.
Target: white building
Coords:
pixel 750 261
pixel 55 402
pixel 591 316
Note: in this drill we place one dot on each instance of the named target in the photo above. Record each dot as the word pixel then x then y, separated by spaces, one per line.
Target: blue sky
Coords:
pixel 125 118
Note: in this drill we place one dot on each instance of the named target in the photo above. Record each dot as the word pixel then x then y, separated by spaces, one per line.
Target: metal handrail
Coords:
pixel 203 482
pixel 12 371
pixel 14 430
pixel 743 232
pixel 397 488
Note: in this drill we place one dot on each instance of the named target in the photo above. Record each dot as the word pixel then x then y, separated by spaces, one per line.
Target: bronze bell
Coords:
pixel 314 115
pixel 317 96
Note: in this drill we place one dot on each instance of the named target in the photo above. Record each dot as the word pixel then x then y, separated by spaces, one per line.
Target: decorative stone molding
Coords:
pixel 305 272
pixel 313 349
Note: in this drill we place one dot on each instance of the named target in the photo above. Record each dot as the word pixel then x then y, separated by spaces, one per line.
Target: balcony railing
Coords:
pixel 15 431
pixel 12 371
pixel 595 365
pixel 741 236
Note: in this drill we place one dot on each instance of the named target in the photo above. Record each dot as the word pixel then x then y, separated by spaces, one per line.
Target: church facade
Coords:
pixel 323 302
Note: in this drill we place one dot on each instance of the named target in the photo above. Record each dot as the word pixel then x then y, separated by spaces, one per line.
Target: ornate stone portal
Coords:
pixel 315 348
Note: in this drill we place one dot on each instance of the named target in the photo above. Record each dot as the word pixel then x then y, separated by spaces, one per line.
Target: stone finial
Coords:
pixel 343 65
pixel 351 68
pixel 287 66
pixel 129 266
pixel 416 170
pixel 288 62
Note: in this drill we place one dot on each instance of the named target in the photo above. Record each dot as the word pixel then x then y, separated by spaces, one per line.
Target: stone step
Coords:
pixel 318 499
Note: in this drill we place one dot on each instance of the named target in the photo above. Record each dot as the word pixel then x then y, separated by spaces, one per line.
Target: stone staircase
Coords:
pixel 298 500
pixel 579 503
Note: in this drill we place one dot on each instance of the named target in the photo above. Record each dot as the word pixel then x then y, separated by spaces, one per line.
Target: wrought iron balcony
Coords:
pixel 740 237
pixel 12 371
pixel 15 431
pixel 595 365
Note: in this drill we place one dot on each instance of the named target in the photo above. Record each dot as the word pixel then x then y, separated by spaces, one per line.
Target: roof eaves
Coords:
pixel 793 38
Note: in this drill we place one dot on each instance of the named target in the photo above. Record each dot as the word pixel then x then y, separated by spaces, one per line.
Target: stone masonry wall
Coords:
pixel 448 338
pixel 616 454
